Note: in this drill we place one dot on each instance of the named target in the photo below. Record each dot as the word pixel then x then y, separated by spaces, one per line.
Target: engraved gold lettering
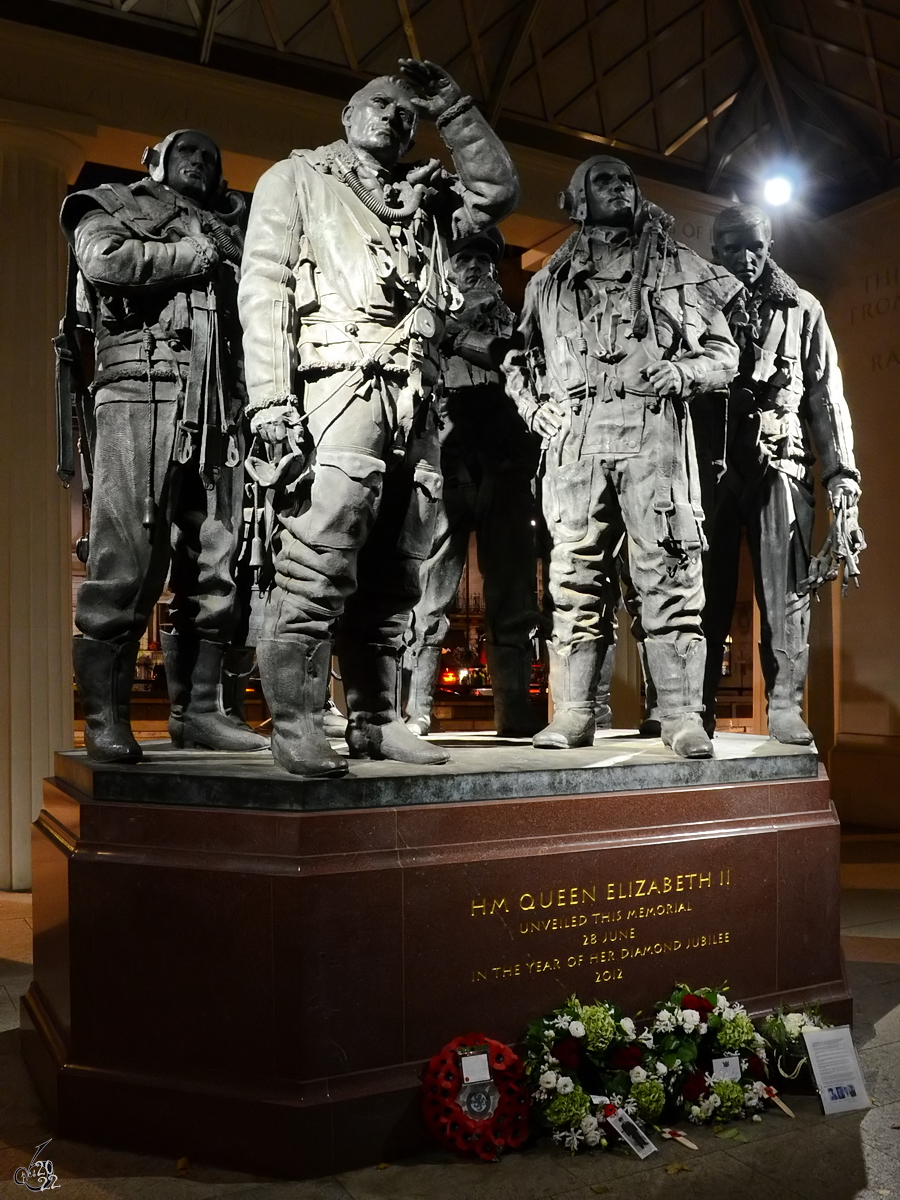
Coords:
pixel 479 904
pixel 589 894
pixel 526 907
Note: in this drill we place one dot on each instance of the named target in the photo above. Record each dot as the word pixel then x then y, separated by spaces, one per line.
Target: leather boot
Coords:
pixel 649 726
pixel 712 678
pixel 371 675
pixel 104 673
pixel 602 706
pixel 785 697
pixel 422 665
pixel 510 671
pixel 574 675
pixel 334 723
pixel 676 668
pixel 237 667
pixel 196 720
pixel 295 674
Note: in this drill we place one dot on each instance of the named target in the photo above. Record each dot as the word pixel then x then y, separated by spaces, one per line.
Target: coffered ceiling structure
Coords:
pixel 709 94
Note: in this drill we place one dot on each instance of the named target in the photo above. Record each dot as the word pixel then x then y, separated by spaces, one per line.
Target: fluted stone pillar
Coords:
pixel 35 556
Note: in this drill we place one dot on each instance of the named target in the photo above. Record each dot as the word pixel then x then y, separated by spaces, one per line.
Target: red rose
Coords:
pixel 697 1003
pixel 694 1087
pixel 567 1052
pixel 757 1067
pixel 626 1057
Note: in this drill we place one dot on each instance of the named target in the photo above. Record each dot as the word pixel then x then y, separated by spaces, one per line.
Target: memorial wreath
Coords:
pixel 483 1117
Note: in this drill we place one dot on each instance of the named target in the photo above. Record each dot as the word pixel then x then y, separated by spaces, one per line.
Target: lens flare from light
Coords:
pixel 778 190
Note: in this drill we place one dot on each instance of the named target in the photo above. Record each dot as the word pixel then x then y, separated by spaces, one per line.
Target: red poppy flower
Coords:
pixel 567 1052
pixel 609 1110
pixel 626 1057
pixel 694 1087
pixel 697 1003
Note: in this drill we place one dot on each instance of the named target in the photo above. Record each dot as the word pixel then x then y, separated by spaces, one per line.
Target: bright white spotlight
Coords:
pixel 778 190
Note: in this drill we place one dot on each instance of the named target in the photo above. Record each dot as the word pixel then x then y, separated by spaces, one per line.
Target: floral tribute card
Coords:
pixel 836 1069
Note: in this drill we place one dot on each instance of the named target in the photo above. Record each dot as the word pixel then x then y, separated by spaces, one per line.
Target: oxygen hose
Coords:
pixel 376 204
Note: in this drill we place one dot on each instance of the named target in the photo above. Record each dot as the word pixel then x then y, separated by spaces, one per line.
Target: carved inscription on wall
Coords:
pixel 605 926
pixel 876 305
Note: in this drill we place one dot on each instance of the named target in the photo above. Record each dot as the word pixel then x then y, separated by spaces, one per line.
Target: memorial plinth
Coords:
pixel 251 969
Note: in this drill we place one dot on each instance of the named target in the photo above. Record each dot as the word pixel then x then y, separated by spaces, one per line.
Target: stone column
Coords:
pixel 35 555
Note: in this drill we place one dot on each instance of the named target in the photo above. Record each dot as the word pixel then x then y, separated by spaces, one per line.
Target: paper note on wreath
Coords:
pixel 836 1069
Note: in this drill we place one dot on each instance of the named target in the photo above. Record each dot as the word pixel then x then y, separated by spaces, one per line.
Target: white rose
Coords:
pixel 627 1026
pixel 565 1085
pixel 576 1029
pixel 638 1074
pixel 690 1018
pixel 548 1080
pixel 793 1023
pixel 592 1139
pixel 589 1124
pixel 695 1110
pixel 661 1068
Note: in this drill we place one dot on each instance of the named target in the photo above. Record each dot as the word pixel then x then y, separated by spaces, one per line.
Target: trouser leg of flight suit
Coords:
pixel 197 529
pixel 669 583
pixel 779 518
pixel 724 526
pixel 506 557
pixel 126 569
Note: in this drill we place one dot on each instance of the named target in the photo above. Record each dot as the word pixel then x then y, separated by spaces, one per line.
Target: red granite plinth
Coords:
pixel 261 989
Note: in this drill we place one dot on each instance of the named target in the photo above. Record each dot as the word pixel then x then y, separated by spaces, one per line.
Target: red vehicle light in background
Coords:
pixel 449 677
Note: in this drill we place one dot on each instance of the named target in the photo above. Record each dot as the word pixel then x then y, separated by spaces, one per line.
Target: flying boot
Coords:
pixel 104 673
pixel 676 668
pixel 197 719
pixel 422 665
pixel 371 675
pixel 295 674
pixel 785 696
pixel 510 671
pixel 575 671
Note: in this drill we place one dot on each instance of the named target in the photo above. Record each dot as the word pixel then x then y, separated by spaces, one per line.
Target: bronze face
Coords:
pixel 743 252
pixel 611 194
pixel 381 120
pixel 472 268
pixel 192 166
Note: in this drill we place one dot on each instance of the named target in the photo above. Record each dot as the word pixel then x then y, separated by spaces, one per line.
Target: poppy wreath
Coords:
pixel 505 1129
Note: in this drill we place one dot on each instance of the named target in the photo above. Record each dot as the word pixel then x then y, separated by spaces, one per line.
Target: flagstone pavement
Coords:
pixel 809 1158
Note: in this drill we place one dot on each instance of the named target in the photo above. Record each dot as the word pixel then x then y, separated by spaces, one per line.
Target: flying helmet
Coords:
pixel 490 239
pixel 574 199
pixel 155 158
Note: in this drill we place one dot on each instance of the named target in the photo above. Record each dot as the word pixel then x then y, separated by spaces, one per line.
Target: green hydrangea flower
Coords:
pixel 737 1033
pixel 650 1097
pixel 568 1109
pixel 731 1095
pixel 599 1026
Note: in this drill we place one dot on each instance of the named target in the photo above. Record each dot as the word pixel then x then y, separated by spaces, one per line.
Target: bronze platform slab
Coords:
pixel 261 988
pixel 481 767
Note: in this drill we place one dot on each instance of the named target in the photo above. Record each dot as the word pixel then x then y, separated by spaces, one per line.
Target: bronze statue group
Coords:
pixel 308 418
